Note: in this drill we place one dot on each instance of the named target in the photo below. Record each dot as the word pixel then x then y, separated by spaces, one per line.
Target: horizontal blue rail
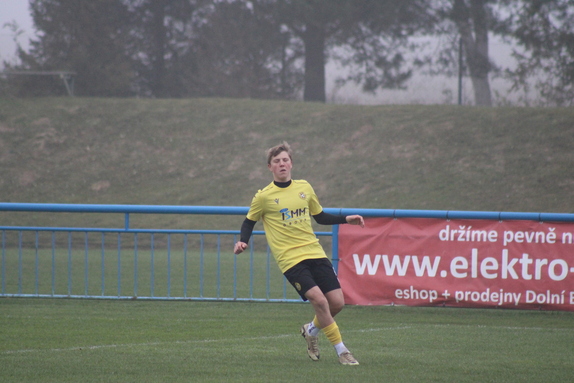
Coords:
pixel 452 214
pixel 242 210
pixel 140 209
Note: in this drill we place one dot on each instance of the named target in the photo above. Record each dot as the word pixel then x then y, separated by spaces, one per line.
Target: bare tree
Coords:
pixel 544 32
pixel 367 31
pixel 87 38
pixel 471 20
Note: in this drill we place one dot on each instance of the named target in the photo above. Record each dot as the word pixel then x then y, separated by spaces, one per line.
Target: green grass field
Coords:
pixel 66 340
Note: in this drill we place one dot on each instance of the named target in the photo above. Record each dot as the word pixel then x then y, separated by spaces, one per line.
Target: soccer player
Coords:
pixel 286 206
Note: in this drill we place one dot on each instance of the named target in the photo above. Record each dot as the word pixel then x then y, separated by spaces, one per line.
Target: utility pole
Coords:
pixel 460 71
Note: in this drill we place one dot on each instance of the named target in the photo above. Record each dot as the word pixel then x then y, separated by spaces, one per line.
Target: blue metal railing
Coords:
pixel 38 261
pixel 67 259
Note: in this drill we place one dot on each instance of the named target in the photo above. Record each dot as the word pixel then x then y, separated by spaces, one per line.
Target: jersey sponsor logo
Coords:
pixel 288 214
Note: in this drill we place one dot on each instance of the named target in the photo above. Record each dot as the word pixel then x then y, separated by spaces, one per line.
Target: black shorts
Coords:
pixel 313 272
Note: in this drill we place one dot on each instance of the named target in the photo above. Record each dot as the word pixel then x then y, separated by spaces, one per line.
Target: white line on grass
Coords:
pixel 258 338
pixel 380 329
pixel 197 341
pixel 499 327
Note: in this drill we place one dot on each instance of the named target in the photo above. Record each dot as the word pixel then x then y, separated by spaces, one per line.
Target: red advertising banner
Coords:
pixel 459 263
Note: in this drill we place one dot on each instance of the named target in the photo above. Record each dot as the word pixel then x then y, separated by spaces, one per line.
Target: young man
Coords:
pixel 286 206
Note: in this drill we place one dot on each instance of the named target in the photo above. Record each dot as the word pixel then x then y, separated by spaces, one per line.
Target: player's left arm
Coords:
pixel 330 219
pixel 323 218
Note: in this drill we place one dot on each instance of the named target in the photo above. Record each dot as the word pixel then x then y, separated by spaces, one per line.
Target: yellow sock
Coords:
pixel 316 322
pixel 333 334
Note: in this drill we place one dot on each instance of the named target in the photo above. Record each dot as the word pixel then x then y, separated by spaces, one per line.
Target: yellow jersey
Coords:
pixel 286 215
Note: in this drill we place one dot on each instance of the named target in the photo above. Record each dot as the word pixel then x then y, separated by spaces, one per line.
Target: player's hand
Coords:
pixel 355 220
pixel 239 247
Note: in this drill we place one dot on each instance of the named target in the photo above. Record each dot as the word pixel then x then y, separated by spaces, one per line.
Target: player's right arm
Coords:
pixel 239 247
pixel 246 231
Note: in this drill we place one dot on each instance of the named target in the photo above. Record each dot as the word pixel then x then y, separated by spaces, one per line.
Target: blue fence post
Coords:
pixel 169 265
pixel 136 273
pixel 86 263
pixel 20 263
pixel 218 283
pixel 335 247
pixel 268 271
pixel 53 263
pixel 201 265
pixel 69 263
pixel 36 263
pixel 152 266
pixel 119 268
pixel 185 265
pixel 103 264
pixel 3 261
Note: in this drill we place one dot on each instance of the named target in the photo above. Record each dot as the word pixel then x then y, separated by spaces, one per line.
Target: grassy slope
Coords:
pixel 212 152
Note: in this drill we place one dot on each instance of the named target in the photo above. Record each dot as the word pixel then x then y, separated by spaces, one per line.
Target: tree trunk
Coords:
pixel 475 46
pixel 158 49
pixel 314 40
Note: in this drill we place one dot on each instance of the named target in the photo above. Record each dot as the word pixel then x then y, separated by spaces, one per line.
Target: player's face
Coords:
pixel 281 166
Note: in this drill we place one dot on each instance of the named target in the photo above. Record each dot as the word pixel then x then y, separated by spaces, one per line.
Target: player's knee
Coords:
pixel 319 300
pixel 336 307
pixel 336 301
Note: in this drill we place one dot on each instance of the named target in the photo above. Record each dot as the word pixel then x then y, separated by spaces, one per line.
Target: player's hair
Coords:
pixel 274 151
